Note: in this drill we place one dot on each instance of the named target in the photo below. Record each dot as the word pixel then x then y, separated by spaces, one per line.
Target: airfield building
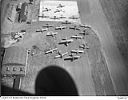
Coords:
pixel 23 13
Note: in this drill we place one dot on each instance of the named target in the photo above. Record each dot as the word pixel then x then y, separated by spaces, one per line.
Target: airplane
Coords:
pixel 77 37
pixel 65 41
pixel 84 32
pixel 57 10
pixel 84 26
pixel 46 10
pixel 51 51
pixel 74 28
pixel 83 46
pixel 62 17
pixel 42 16
pixel 60 6
pixel 72 57
pixel 51 33
pixel 60 27
pixel 54 17
pixel 66 22
pixel 60 55
pixel 42 30
pixel 77 51
pixel 47 26
pixel 73 17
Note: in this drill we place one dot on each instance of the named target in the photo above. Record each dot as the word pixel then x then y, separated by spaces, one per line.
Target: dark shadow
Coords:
pixel 55 81
pixel 51 81
pixel 7 91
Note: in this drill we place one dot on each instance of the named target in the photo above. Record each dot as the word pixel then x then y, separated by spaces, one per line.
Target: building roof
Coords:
pixel 15 55
pixel 22 12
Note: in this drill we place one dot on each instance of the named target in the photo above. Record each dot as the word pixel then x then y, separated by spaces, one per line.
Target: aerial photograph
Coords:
pixel 64 47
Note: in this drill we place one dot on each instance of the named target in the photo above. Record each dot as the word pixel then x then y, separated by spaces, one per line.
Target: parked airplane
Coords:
pixel 60 27
pixel 51 51
pixel 42 30
pixel 42 16
pixel 54 17
pixel 62 17
pixel 77 51
pixel 58 10
pixel 72 57
pixel 51 33
pixel 84 26
pixel 73 17
pixel 74 28
pixel 46 10
pixel 47 26
pixel 77 37
pixel 83 46
pixel 60 55
pixel 66 22
pixel 85 32
pixel 60 6
pixel 65 41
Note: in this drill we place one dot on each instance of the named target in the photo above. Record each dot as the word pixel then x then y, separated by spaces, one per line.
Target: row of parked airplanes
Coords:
pixel 56 11
pixel 64 41
pixel 55 17
pixel 58 8
pixel 67 41
pixel 71 57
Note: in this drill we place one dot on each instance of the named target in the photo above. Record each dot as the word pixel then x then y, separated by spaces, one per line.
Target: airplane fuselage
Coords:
pixel 77 37
pixel 77 51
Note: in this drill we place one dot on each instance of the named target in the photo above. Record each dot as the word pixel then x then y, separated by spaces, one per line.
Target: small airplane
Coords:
pixel 83 46
pixel 66 22
pixel 74 28
pixel 42 30
pixel 84 33
pixel 54 17
pixel 43 16
pixel 60 6
pixel 47 26
pixel 57 10
pixel 84 26
pixel 77 37
pixel 65 41
pixel 51 50
pixel 51 33
pixel 62 17
pixel 60 55
pixel 73 17
pixel 60 27
pixel 72 57
pixel 46 10
pixel 77 51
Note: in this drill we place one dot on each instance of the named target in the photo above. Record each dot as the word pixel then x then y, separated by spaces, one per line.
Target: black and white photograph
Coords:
pixel 64 48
